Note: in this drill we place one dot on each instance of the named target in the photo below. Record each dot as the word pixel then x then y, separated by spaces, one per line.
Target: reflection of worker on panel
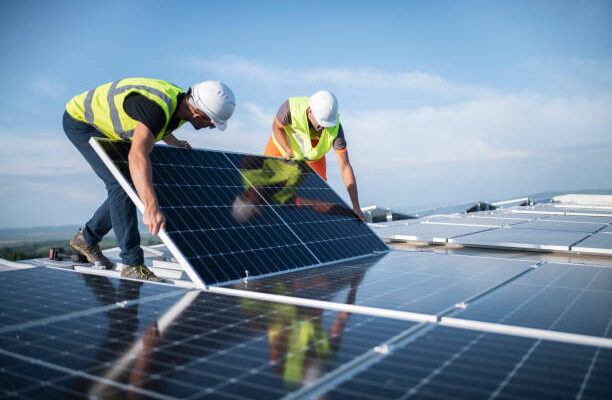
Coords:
pixel 276 182
pixel 300 349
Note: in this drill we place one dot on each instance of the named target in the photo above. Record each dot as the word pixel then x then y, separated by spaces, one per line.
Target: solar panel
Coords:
pixel 580 218
pixel 560 297
pixel 567 210
pixel 534 239
pixel 447 363
pixel 587 227
pixel 428 232
pixel 232 215
pixel 406 281
pixel 599 243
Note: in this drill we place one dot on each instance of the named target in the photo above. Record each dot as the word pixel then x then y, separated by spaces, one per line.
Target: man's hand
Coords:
pixel 154 219
pixel 359 214
pixel 173 141
pixel 183 144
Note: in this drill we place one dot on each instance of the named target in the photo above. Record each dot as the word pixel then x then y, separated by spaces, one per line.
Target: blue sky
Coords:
pixel 442 102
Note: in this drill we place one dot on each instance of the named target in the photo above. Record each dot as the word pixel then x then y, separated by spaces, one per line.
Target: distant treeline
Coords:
pixel 29 250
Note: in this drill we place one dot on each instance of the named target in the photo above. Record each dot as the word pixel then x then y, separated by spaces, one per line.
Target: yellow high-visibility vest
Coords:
pixel 102 107
pixel 299 133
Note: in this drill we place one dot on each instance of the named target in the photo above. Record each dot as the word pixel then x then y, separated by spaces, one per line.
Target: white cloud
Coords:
pixel 361 77
pixel 26 154
pixel 48 87
pixel 483 130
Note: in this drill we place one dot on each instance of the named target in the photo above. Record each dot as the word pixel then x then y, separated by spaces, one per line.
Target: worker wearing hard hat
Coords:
pixel 308 128
pixel 143 111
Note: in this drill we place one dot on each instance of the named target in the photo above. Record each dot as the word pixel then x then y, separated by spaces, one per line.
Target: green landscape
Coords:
pixel 28 243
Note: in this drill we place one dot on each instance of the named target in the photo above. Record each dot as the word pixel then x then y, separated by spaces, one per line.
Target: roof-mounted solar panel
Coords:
pixel 232 215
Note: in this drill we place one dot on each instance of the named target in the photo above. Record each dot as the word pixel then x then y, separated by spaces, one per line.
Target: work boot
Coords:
pixel 92 253
pixel 139 272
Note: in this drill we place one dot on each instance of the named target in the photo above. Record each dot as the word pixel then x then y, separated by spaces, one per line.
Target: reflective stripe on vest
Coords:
pixel 98 106
pixel 298 132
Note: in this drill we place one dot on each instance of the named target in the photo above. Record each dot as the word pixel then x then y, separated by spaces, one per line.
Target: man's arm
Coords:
pixel 348 177
pixel 281 138
pixel 142 177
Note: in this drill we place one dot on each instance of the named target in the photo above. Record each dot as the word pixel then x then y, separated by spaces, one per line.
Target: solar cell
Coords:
pixel 406 281
pixel 448 363
pixel 231 215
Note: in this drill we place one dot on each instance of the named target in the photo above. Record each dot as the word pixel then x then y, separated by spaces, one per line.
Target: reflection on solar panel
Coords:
pixel 190 344
pixel 228 213
pixel 406 281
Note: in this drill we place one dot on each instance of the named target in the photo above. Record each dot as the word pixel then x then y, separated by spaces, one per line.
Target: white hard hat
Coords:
pixel 324 107
pixel 216 100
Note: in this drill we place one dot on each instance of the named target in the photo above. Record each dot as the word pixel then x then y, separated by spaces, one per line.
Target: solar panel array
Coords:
pixel 394 325
pixel 542 227
pixel 231 213
pixel 548 334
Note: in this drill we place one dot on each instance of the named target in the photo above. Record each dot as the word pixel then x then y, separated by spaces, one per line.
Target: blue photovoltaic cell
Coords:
pixel 407 281
pixel 255 214
pixel 194 344
pixel 560 297
pixel 447 363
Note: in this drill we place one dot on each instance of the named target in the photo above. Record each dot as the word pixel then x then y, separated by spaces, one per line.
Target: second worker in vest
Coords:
pixel 307 128
pixel 144 111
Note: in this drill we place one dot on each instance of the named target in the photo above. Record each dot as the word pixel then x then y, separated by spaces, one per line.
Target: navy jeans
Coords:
pixel 117 211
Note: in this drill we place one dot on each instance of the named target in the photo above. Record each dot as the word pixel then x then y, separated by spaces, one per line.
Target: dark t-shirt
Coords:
pixel 150 113
pixel 283 116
